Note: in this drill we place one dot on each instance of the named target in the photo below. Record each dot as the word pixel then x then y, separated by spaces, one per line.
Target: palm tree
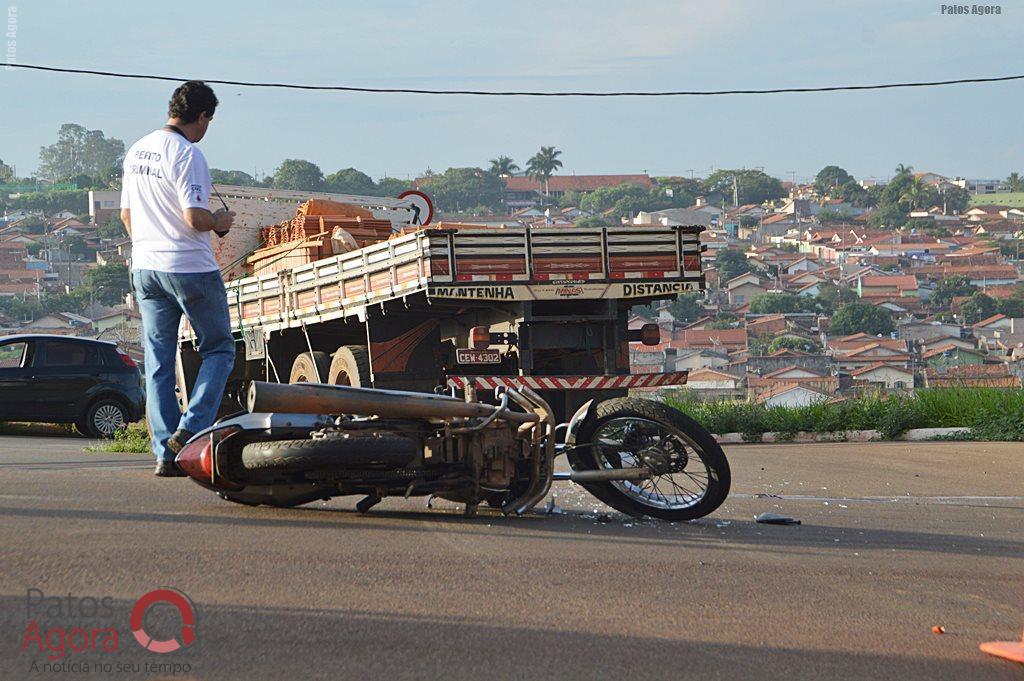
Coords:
pixel 503 166
pixel 916 193
pixel 904 170
pixel 543 164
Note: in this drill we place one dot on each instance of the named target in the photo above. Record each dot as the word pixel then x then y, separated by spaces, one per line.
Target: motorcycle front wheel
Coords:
pixel 690 474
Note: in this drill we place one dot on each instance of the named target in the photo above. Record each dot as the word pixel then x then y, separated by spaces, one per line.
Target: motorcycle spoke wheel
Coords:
pixel 680 477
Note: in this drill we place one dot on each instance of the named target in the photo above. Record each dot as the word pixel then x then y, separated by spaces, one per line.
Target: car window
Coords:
pixel 64 354
pixel 13 355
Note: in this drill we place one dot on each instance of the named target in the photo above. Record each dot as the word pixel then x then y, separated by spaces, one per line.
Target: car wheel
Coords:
pixel 103 418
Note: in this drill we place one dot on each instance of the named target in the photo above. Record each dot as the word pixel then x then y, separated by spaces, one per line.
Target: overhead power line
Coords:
pixel 525 93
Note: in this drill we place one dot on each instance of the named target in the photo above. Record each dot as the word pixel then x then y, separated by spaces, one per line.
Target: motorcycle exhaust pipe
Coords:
pixel 605 475
pixel 315 398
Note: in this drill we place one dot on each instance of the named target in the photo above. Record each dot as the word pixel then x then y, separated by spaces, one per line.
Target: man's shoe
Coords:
pixel 177 441
pixel 168 469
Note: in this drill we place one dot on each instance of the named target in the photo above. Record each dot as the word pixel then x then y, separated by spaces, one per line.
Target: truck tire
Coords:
pixel 697 451
pixel 330 454
pixel 310 368
pixel 350 366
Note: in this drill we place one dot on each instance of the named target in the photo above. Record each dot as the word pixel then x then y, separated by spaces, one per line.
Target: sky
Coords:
pixel 966 130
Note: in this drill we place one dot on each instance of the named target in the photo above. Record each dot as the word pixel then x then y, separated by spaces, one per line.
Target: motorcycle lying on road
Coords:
pixel 305 442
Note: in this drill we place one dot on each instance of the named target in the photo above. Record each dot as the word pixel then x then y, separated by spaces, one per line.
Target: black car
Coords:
pixel 62 379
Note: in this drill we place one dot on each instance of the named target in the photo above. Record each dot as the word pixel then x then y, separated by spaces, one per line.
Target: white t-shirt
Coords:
pixel 164 174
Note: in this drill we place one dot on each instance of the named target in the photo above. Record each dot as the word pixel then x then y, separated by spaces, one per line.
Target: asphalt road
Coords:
pixel 896 538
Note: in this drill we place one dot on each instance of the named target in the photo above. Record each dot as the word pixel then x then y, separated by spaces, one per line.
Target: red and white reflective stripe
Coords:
pixel 571 382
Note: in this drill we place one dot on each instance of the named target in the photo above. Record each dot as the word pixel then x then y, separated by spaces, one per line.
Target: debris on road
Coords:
pixel 552 508
pixel 938 629
pixel 768 518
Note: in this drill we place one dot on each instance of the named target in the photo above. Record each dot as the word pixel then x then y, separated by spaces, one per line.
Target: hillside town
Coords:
pixel 379 339
pixel 816 291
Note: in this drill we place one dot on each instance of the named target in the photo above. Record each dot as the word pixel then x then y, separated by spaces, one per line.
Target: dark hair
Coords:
pixel 190 100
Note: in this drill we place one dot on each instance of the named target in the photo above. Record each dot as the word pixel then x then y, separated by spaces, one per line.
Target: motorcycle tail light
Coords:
pixel 196 458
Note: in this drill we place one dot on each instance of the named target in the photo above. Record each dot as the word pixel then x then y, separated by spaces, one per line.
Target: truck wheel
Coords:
pixel 350 366
pixel 309 366
pixel 691 475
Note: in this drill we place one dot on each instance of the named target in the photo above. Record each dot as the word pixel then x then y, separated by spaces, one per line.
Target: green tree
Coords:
pixel 624 198
pixel 955 200
pixel 503 166
pixel 861 317
pixel 109 283
pixel 75 244
pixel 299 175
pixel 460 189
pixel 74 200
pixel 891 216
pixel 392 186
pixel 83 181
pixel 113 228
pixel 543 165
pixel 570 199
pixel 6 173
pixel 111 176
pixel 686 307
pixel 894 198
pixel 749 221
pixel 731 263
pixel 1012 307
pixel 78 150
pixel 754 186
pixel 917 195
pixel 677 192
pixel 949 288
pixel 781 303
pixel 1016 182
pixel 595 221
pixel 832 215
pixel 766 345
pixel 831 177
pixel 855 195
pixel 235 177
pixel 351 181
pixel 979 306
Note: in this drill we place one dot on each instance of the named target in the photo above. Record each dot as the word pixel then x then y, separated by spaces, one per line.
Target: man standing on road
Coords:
pixel 165 206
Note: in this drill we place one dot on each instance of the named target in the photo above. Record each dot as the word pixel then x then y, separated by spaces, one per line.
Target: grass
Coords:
pixel 132 440
pixel 1012 199
pixel 50 429
pixel 989 414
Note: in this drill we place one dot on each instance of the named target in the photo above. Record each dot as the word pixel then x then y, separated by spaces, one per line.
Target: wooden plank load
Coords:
pixel 320 229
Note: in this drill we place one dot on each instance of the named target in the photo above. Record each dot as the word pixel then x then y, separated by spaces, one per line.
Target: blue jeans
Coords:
pixel 163 297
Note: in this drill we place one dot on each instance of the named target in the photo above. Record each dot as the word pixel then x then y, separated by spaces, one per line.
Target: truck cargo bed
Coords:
pixel 500 265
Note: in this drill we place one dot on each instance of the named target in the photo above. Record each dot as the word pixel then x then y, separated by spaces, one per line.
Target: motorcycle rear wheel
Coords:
pixel 329 454
pixel 691 474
